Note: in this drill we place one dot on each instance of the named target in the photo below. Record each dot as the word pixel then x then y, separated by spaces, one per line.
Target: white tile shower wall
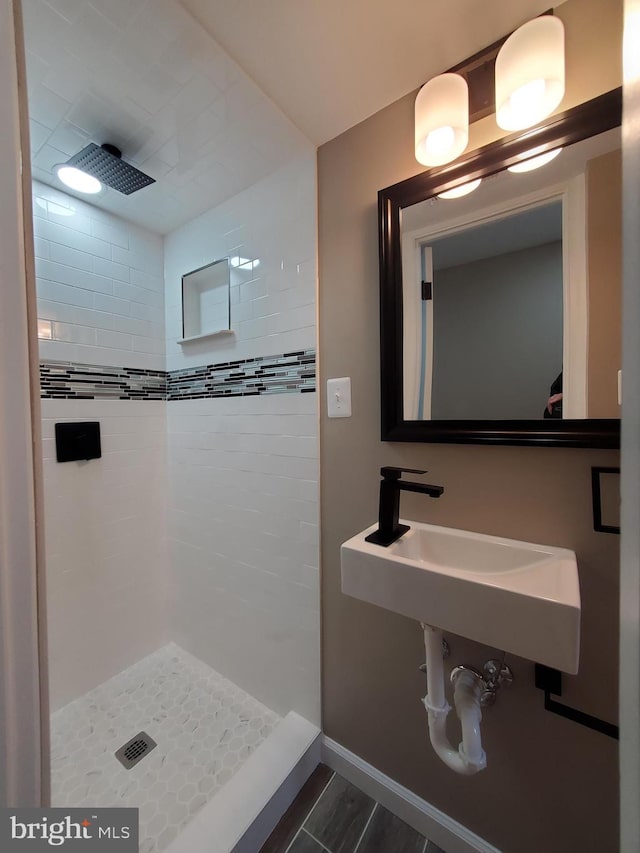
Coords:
pixel 243 504
pixel 268 232
pixel 106 544
pixel 100 293
pixel 100 285
pixel 244 524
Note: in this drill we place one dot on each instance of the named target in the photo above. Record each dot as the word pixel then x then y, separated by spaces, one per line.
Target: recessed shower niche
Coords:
pixel 206 301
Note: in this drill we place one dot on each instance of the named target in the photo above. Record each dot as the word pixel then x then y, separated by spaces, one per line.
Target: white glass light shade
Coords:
pixel 530 73
pixel 533 161
pixel 462 190
pixel 78 180
pixel 442 120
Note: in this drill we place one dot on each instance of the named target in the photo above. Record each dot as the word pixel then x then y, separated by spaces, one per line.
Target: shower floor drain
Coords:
pixel 135 750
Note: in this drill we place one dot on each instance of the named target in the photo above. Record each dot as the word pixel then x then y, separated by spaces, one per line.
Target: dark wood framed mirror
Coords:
pixel 472 366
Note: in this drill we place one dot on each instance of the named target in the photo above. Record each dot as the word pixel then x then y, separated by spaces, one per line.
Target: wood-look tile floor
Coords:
pixel 330 815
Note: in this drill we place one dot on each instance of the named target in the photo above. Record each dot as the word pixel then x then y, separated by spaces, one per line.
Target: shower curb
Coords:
pixel 243 814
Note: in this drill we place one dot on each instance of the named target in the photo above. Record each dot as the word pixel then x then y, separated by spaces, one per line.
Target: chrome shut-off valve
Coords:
pixel 495 674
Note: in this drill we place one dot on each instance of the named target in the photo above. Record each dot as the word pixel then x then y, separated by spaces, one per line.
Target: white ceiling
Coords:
pixel 534 226
pixel 143 75
pixel 329 64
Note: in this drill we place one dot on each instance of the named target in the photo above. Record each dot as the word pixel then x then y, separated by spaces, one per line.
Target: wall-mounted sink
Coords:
pixel 514 596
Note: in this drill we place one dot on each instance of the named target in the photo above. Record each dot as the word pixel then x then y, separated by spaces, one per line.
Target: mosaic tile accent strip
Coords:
pixel 205 727
pixel 65 380
pixel 290 373
pixel 279 374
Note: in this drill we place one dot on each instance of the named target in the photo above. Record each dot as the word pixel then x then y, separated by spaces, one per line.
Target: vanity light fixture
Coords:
pixel 78 180
pixel 441 120
pixel 462 190
pixel 534 160
pixel 530 73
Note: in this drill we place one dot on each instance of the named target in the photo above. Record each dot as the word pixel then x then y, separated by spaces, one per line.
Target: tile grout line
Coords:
pixel 319 843
pixel 308 814
pixel 366 827
pixel 320 796
pixel 289 845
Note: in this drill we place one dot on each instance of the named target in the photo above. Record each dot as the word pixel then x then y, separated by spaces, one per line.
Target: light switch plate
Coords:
pixel 339 397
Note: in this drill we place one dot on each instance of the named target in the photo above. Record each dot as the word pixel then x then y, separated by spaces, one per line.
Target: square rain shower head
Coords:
pixel 105 163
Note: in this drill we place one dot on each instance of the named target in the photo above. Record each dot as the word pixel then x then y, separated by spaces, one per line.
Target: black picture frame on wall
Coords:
pixel 589 119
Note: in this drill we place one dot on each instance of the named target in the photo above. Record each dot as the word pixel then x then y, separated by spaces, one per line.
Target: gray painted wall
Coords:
pixel 550 784
pixel 497 335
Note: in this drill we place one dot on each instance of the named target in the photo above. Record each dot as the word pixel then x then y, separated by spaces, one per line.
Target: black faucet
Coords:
pixel 389 528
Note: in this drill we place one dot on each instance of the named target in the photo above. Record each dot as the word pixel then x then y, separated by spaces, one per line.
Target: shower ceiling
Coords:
pixel 144 76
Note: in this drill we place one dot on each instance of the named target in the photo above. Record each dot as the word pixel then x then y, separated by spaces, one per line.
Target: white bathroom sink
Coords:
pixel 514 596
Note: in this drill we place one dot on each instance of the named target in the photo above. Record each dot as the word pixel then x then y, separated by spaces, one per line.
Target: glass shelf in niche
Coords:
pixel 206 302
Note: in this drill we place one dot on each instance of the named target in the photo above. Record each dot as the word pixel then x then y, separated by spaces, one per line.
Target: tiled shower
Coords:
pixel 182 565
pixel 205 727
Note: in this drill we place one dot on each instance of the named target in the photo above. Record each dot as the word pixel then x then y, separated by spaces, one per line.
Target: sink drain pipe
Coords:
pixel 470 757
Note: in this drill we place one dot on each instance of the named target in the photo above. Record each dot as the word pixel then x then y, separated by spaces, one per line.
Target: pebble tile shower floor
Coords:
pixel 205 727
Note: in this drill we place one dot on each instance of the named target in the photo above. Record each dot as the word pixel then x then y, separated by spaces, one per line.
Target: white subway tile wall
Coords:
pixel 244 526
pixel 231 571
pixel 100 285
pixel 243 500
pixel 268 233
pixel 106 544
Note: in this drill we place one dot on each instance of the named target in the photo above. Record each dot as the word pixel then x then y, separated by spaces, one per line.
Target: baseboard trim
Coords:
pixel 418 813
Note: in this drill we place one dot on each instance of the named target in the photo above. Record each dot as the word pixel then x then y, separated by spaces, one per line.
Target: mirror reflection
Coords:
pixel 511 294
